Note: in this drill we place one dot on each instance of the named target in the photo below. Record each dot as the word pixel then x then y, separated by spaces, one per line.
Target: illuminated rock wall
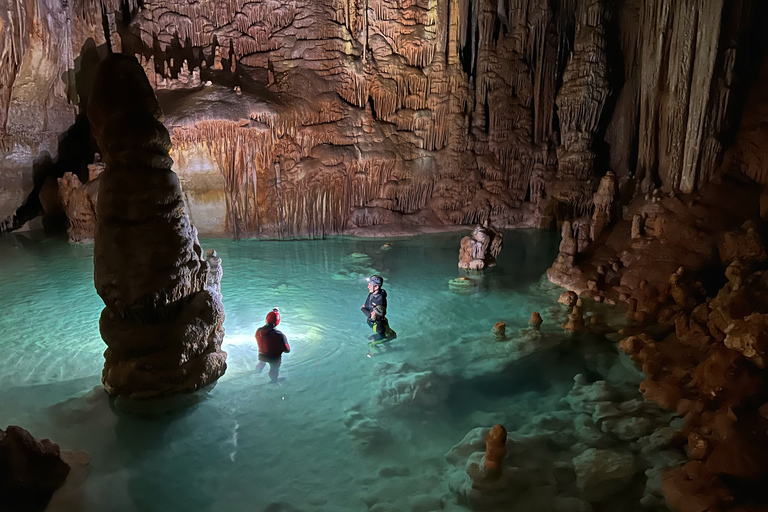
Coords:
pixel 326 116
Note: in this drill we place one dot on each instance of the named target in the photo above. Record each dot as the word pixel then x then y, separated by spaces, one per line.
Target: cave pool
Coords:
pixel 320 441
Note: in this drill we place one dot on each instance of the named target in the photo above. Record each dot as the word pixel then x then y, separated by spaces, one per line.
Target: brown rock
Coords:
pixel 697 446
pixel 481 249
pixel 568 298
pixel 665 394
pixel 750 337
pixel 535 320
pixel 495 451
pixel 162 326
pixel 30 470
pixel 499 331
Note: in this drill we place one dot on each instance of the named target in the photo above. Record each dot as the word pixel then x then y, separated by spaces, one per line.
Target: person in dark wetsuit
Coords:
pixel 272 345
pixel 382 333
pixel 377 296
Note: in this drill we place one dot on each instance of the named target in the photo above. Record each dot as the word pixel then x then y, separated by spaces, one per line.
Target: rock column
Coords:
pixel 163 327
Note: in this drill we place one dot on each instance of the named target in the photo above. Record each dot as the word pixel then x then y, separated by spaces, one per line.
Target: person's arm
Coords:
pixel 287 346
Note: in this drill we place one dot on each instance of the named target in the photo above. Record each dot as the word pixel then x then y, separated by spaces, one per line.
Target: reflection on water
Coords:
pixel 343 432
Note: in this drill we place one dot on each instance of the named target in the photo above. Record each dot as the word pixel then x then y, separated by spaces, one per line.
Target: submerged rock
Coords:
pixel 402 386
pixel 601 474
pixel 463 286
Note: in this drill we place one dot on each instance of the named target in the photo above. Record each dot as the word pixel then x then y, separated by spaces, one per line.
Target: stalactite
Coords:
pixel 580 104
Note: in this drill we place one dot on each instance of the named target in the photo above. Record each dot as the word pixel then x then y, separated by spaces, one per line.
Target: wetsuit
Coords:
pixel 381 333
pixel 377 298
pixel 272 345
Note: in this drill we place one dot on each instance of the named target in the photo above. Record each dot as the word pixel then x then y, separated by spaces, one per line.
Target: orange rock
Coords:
pixel 495 451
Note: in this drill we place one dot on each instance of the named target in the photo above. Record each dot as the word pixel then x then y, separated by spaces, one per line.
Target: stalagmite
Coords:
pixel 480 250
pixel 162 326
pixel 495 451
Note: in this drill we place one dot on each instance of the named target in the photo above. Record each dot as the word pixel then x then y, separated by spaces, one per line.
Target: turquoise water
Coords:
pixel 335 435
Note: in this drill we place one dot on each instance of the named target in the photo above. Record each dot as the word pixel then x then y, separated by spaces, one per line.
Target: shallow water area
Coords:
pixel 343 431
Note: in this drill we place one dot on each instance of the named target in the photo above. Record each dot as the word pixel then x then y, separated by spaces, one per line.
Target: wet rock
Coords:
pixel 481 249
pixel 366 431
pixel 402 387
pixel 745 245
pixel 495 451
pixel 627 429
pixel 575 321
pixel 463 286
pixel 749 337
pixel 426 503
pixel 30 470
pixel 499 331
pixel 162 327
pixel 568 298
pixel 79 202
pixel 601 474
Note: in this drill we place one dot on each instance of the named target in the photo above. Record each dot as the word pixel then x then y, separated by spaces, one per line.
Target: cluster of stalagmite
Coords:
pixel 691 271
pixel 163 320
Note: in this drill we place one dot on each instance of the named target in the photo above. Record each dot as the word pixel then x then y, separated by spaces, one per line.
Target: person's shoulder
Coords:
pixel 383 292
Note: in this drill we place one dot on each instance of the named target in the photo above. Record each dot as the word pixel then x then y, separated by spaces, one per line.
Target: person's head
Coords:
pixel 273 317
pixel 378 312
pixel 374 283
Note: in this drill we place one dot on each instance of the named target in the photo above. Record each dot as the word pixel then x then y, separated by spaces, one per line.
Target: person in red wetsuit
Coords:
pixel 272 345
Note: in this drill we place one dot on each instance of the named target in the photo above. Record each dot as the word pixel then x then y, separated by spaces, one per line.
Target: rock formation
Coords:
pixel 580 454
pixel 163 318
pixel 481 249
pixel 499 331
pixel 700 343
pixel 304 118
pixel 79 201
pixel 30 470
pixel 495 451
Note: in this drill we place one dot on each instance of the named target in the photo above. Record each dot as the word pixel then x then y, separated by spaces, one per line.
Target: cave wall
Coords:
pixel 305 118
pixel 44 46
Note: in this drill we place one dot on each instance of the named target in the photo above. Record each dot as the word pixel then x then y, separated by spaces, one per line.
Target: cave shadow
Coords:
pixel 149 437
pixel 75 151
pixel 538 372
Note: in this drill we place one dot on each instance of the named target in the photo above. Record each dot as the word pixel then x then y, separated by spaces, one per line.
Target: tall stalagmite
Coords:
pixel 162 326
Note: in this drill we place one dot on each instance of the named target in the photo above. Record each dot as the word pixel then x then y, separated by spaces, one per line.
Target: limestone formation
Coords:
pixel 499 331
pixel 594 444
pixel 385 112
pixel 162 326
pixel 495 451
pixel 30 470
pixel 79 201
pixel 575 321
pixel 580 103
pixel 480 250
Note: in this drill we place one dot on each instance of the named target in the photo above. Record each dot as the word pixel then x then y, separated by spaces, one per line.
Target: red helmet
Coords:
pixel 273 317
